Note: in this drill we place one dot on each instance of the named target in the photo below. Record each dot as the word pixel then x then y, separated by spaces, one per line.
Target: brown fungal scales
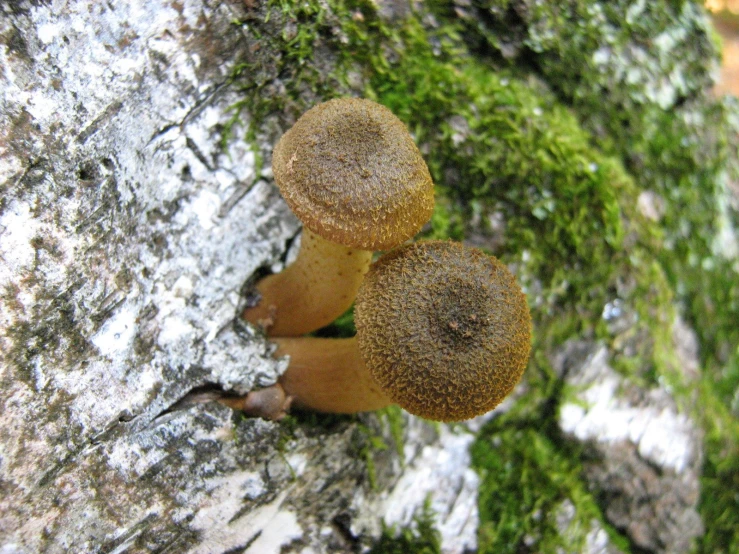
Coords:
pixel 351 172
pixel 443 329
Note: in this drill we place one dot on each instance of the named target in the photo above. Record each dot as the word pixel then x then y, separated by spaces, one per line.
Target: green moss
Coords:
pixel 378 434
pixel 446 222
pixel 367 443
pixel 720 481
pixel 526 477
pixel 392 416
pixel 689 162
pixel 612 61
pixel 688 156
pixel 420 537
pixel 288 83
pixel 342 327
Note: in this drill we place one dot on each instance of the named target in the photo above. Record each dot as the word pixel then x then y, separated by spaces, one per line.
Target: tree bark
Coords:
pixel 136 205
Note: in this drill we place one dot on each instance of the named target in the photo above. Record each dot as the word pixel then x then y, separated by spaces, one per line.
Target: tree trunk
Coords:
pixel 137 203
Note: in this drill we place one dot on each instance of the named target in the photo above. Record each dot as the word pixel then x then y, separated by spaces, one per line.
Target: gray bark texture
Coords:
pixel 127 232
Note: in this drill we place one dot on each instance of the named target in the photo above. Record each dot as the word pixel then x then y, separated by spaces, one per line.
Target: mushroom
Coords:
pixel 352 174
pixel 443 330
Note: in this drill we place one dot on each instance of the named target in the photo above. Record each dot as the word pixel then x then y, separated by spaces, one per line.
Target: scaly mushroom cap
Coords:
pixel 351 172
pixel 443 329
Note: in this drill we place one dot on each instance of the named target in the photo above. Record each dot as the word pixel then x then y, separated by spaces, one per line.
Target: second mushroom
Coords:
pixel 443 330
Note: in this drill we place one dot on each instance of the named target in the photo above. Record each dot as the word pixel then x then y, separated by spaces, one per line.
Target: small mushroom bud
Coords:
pixel 269 403
pixel 443 330
pixel 351 172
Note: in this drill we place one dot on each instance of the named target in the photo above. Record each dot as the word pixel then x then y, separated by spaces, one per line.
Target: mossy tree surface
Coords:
pixel 553 118
pixel 420 537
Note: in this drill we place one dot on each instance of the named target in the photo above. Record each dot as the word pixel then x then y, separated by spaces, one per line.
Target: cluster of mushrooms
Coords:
pixel 443 330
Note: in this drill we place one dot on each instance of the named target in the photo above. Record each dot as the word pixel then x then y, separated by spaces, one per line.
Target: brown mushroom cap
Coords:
pixel 444 329
pixel 351 172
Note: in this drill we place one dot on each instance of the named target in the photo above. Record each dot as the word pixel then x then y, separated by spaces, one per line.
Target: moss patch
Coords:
pixel 526 480
pixel 420 537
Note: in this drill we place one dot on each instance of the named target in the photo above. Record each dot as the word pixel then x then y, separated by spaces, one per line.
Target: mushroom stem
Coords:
pixel 328 375
pixel 313 291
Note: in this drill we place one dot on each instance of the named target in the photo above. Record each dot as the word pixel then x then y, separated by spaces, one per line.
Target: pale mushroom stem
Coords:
pixel 328 375
pixel 313 291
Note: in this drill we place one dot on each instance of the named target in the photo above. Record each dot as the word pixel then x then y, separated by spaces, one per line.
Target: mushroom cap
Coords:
pixel 443 329
pixel 351 172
